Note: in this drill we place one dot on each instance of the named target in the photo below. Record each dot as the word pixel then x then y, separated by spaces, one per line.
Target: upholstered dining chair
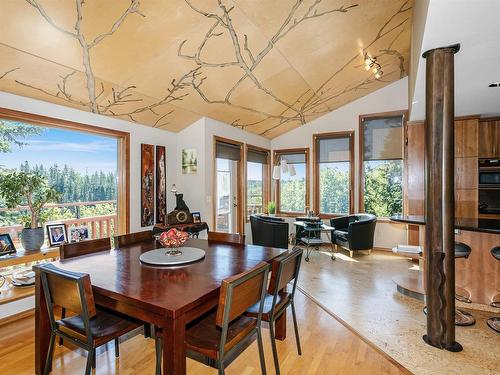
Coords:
pixel 91 327
pixel 234 238
pixel 226 331
pixel 285 269
pixel 133 238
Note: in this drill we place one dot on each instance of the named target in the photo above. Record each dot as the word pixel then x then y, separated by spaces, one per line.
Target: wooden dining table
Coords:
pixel 169 297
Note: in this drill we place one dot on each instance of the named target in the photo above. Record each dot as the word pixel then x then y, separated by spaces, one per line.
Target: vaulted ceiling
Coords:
pixel 263 66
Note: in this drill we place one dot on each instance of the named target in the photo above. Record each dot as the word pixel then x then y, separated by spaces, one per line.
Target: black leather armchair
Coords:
pixel 269 231
pixel 354 232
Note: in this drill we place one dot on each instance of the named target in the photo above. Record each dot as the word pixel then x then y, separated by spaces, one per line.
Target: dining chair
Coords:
pixel 74 249
pixel 226 332
pixel 285 269
pixel 235 238
pixel 91 327
pixel 133 238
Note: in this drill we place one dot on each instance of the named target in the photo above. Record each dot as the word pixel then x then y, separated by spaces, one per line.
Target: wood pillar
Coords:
pixel 440 199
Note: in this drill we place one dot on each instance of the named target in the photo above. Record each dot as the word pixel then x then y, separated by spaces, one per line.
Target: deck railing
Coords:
pixel 98 226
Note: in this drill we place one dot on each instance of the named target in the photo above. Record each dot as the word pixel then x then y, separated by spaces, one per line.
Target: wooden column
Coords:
pixel 440 199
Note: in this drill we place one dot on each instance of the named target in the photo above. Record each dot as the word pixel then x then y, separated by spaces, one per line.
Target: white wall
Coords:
pixel 198 188
pixel 138 134
pixel 390 98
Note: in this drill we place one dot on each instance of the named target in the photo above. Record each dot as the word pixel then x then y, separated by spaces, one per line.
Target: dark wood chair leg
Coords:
pixel 63 315
pixel 158 348
pixel 261 352
pixel 117 347
pixel 90 361
pixel 296 328
pixel 50 354
pixel 273 346
pixel 94 357
pixel 147 330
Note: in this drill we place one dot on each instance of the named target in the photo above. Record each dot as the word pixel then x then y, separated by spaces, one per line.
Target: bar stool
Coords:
pixel 462 318
pixel 494 322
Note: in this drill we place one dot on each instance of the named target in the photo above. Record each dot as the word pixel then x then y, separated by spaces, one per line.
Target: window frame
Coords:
pixel 266 178
pixel 123 156
pixel 276 155
pixel 316 196
pixel 371 116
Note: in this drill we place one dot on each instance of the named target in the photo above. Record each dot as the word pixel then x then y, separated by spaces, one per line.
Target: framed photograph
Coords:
pixel 57 234
pixel 196 217
pixel 189 161
pixel 6 245
pixel 77 234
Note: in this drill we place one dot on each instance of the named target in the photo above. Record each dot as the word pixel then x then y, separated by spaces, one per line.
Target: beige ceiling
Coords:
pixel 264 66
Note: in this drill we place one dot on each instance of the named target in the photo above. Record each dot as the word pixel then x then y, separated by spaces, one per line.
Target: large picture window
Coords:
pixel 333 177
pixel 88 166
pixel 257 174
pixel 381 147
pixel 292 190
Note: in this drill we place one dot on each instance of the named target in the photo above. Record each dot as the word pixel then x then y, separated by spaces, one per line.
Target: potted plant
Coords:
pixel 271 208
pixel 32 190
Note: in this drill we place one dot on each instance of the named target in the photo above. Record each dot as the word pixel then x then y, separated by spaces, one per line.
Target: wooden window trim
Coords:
pixel 123 157
pixel 266 178
pixel 404 113
pixel 241 179
pixel 276 155
pixel 316 137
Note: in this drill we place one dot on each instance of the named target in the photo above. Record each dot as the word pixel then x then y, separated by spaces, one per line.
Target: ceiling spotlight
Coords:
pixel 379 74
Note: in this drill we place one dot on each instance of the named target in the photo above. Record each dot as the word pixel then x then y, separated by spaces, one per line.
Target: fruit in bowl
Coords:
pixel 173 238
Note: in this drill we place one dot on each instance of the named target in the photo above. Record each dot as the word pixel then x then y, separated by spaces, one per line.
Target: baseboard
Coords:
pixel 17 316
pixel 382 249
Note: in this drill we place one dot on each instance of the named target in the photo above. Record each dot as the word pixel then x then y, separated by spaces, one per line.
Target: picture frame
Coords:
pixel 80 233
pixel 189 161
pixel 57 234
pixel 6 245
pixel 196 217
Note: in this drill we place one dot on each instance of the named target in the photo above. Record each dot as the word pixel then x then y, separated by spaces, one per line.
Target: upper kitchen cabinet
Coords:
pixel 489 138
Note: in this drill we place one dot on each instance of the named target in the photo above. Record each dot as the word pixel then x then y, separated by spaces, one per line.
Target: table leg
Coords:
pixel 42 326
pixel 280 327
pixel 174 352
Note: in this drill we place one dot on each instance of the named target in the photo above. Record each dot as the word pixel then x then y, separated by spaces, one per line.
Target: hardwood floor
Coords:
pixel 328 348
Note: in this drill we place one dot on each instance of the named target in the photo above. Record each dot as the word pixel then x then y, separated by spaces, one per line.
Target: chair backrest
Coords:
pixel 238 293
pixel 361 232
pixel 285 269
pixel 74 249
pixel 235 238
pixel 70 290
pixel 133 238
pixel 269 232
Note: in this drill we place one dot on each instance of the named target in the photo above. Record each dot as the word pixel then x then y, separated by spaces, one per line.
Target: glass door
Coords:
pixel 227 195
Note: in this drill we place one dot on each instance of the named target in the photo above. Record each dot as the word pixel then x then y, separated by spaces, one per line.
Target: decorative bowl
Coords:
pixel 173 239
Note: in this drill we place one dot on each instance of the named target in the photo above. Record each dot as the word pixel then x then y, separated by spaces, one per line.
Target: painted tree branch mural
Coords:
pixel 225 45
pixel 79 35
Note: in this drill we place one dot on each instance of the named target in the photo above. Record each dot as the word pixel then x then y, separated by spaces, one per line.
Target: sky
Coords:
pixel 86 153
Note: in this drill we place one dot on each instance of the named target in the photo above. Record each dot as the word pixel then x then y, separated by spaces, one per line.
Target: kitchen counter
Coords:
pixel 475 277
pixel 469 224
